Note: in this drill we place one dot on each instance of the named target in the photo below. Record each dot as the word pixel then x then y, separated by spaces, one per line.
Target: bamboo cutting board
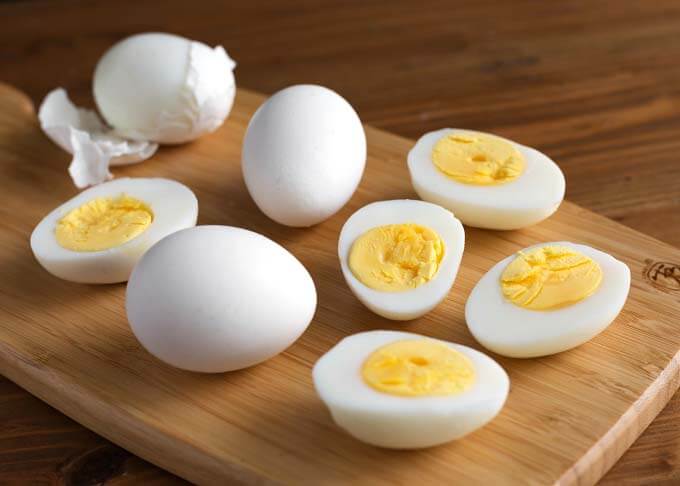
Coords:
pixel 568 418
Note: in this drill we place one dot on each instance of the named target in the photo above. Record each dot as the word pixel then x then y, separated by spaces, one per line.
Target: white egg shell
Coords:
pixel 164 88
pixel 414 303
pixel 510 330
pixel 529 199
pixel 174 207
pixel 400 422
pixel 303 155
pixel 218 298
pixel 93 145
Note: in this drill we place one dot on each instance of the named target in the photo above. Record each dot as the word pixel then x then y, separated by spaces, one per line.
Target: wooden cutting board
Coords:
pixel 568 418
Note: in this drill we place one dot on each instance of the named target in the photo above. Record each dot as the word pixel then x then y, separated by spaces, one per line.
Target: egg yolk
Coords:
pixel 418 368
pixel 103 223
pixel 550 277
pixel 396 257
pixel 477 159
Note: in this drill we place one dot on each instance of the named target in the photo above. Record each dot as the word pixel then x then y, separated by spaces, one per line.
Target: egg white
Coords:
pixel 174 207
pixel 218 298
pixel 304 153
pixel 510 330
pixel 401 422
pixel 527 200
pixel 413 303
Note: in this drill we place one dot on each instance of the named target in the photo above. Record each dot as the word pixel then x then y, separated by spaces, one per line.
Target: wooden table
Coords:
pixel 594 84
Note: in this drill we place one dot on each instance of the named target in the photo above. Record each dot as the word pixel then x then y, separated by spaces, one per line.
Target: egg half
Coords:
pixel 405 391
pixel 303 156
pixel 218 298
pixel 487 181
pixel 400 258
pixel 100 234
pixel 546 299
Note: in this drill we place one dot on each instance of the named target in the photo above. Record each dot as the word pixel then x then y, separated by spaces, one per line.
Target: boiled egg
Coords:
pixel 99 235
pixel 218 298
pixel 487 181
pixel 405 391
pixel 164 88
pixel 400 258
pixel 303 155
pixel 547 298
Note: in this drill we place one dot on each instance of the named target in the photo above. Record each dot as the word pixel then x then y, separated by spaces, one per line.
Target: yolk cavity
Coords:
pixel 478 159
pixel 103 223
pixel 396 257
pixel 420 367
pixel 550 277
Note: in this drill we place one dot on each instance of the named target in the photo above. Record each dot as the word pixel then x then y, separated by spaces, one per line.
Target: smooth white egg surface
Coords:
pixel 531 195
pixel 418 420
pixel 164 88
pixel 303 155
pixel 518 330
pixel 218 298
pixel 403 276
pixel 100 234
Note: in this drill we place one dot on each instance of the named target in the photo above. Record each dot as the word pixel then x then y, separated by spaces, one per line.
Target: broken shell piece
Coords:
pixel 93 145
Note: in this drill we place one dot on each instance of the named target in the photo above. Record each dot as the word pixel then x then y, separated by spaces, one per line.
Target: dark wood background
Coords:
pixel 595 84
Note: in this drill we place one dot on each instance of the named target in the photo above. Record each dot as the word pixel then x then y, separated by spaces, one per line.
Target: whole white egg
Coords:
pixel 164 88
pixel 506 328
pixel 532 196
pixel 303 155
pixel 395 257
pixel 101 243
pixel 218 298
pixel 392 420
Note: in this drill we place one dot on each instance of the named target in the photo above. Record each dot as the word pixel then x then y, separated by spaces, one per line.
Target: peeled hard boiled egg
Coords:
pixel 218 298
pixel 303 155
pixel 547 298
pixel 98 236
pixel 400 258
pixel 164 88
pixel 487 181
pixel 405 391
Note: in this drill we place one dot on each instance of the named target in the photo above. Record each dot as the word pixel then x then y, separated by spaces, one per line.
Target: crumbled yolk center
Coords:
pixel 417 368
pixel 103 223
pixel 396 257
pixel 550 277
pixel 478 159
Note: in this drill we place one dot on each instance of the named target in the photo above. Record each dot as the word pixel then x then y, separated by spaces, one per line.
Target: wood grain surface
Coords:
pixel 568 417
pixel 595 84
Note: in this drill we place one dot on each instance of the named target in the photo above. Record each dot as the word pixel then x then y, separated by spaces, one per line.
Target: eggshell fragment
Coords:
pixel 82 133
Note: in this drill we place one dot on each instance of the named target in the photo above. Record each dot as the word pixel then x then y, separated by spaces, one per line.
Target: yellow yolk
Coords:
pixel 478 159
pixel 550 277
pixel 103 223
pixel 396 257
pixel 417 368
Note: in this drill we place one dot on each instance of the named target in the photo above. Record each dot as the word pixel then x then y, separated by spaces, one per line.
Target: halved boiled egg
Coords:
pixel 547 298
pixel 98 236
pixel 405 391
pixel 487 181
pixel 400 258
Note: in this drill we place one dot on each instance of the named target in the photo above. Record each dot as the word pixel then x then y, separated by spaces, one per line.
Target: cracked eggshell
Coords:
pixel 81 133
pixel 164 88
